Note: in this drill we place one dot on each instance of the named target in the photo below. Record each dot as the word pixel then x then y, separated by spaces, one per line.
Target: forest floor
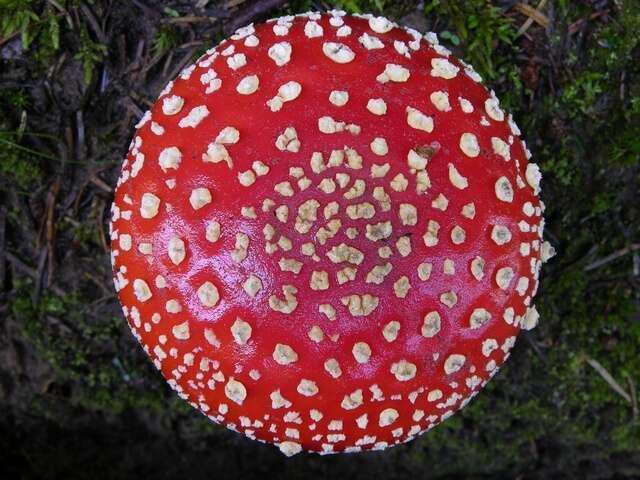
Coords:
pixel 78 397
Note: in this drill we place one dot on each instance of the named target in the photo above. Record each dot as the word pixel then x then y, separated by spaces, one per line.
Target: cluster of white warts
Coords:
pixel 307 214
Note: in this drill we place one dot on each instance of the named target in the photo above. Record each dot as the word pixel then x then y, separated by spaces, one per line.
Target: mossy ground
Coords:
pixel 80 399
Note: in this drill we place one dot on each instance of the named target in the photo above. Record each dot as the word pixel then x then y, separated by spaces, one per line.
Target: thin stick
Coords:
pixel 29 150
pixel 94 23
pixel 608 378
pixel 41 272
pixel 97 181
pixel 103 237
pixel 62 10
pixel 634 397
pixel 29 271
pixel 532 17
pixel 184 60
pixel 611 257
pixel 189 19
pixel 2 247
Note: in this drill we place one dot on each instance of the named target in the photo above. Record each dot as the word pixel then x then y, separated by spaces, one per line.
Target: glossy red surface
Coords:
pixel 199 370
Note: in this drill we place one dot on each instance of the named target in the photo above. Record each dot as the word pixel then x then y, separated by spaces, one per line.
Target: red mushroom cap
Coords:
pixel 327 234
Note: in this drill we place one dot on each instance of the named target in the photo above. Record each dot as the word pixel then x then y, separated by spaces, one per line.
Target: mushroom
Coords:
pixel 327 233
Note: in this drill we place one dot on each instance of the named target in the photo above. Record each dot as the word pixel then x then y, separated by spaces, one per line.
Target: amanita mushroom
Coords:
pixel 327 233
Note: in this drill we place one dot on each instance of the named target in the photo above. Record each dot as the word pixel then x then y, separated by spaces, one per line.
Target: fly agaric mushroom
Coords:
pixel 327 233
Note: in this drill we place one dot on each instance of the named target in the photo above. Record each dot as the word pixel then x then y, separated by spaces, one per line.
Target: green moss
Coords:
pixel 23 168
pixel 84 352
pixel 36 21
pixel 18 162
pixel 483 32
pixel 167 37
pixel 90 53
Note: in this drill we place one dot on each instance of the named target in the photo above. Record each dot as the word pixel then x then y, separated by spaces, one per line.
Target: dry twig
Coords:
pixel 634 397
pixel 534 15
pixel 3 217
pixel 29 271
pixel 597 366
pixel 611 257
